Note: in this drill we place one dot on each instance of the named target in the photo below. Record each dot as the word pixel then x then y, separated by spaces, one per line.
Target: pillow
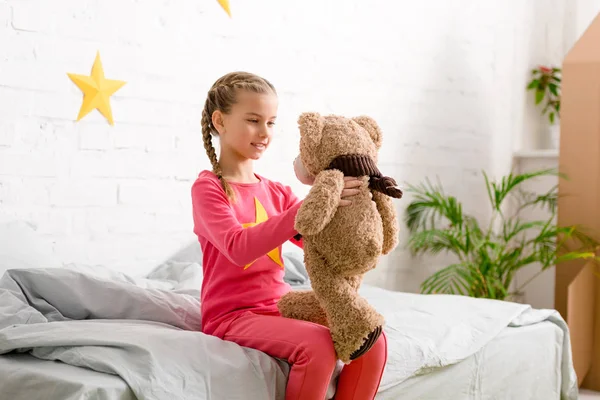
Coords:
pixel 21 247
pixel 191 253
pixel 182 270
pixel 182 275
pixel 293 259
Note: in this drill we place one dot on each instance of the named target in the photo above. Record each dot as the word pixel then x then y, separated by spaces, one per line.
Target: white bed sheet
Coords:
pixel 520 363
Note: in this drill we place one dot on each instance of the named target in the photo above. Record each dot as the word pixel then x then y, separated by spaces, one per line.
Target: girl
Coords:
pixel 241 220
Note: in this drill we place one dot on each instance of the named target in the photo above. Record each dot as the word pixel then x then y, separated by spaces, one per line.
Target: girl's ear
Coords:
pixel 217 121
pixel 311 126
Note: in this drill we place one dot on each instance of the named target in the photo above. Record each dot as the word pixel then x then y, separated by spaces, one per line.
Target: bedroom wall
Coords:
pixel 443 78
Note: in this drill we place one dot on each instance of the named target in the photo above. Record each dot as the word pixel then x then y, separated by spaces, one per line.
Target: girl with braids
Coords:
pixel 241 220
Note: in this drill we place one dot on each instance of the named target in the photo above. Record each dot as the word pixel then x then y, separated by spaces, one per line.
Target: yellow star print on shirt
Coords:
pixel 261 216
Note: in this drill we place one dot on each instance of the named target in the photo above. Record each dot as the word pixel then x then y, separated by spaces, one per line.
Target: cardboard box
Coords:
pixel 577 290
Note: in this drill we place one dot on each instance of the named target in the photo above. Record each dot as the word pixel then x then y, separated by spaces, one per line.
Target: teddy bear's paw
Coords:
pixel 368 343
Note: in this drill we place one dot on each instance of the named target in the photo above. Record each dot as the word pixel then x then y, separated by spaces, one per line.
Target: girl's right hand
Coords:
pixel 351 188
pixel 301 172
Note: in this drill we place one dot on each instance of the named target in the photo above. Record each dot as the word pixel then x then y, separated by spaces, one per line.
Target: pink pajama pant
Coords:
pixel 309 350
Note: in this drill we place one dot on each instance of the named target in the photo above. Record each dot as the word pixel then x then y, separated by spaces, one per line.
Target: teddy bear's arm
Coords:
pixel 321 203
pixel 386 209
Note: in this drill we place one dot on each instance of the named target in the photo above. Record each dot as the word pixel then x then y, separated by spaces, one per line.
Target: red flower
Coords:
pixel 545 70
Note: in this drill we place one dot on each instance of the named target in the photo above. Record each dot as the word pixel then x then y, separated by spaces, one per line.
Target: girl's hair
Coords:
pixel 221 96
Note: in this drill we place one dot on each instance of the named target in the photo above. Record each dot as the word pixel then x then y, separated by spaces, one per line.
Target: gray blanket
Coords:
pixel 149 337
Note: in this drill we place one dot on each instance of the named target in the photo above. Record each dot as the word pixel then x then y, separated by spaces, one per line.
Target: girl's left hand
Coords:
pixel 351 188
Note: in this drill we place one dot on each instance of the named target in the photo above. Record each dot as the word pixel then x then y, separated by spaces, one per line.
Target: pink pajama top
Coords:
pixel 241 245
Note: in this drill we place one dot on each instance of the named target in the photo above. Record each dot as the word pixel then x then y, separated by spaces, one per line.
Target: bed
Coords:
pixel 515 356
pixel 81 332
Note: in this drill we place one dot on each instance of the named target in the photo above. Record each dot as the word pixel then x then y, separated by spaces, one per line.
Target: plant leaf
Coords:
pixel 436 241
pixel 548 200
pixel 511 228
pixel 448 280
pixel 533 84
pixel 429 205
pixel 510 182
pixel 489 188
pixel 539 96
pixel 575 255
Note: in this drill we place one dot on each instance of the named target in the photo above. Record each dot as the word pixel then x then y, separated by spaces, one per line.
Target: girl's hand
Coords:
pixel 351 184
pixel 351 188
pixel 301 172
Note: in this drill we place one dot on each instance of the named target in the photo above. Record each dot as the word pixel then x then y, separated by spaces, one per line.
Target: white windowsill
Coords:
pixel 545 153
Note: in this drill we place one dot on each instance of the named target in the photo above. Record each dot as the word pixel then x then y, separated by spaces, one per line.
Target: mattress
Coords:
pixel 520 363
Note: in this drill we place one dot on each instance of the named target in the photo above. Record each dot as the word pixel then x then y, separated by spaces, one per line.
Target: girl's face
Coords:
pixel 248 128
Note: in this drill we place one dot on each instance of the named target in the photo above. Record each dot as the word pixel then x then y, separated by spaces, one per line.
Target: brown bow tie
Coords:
pixel 363 165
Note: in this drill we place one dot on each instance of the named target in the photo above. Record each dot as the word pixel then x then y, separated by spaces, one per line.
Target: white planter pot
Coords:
pixel 554 136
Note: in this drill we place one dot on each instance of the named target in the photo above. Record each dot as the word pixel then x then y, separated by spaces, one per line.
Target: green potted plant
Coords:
pixel 545 82
pixel 488 256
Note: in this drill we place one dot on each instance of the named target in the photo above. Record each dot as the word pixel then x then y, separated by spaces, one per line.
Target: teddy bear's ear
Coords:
pixel 370 126
pixel 311 125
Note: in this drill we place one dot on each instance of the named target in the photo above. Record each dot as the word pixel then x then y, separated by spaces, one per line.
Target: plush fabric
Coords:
pixel 342 244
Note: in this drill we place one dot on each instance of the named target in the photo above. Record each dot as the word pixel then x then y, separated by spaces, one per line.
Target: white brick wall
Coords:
pixel 444 79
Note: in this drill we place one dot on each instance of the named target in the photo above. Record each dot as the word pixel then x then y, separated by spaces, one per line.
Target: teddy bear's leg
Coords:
pixel 354 324
pixel 302 305
pixel 355 282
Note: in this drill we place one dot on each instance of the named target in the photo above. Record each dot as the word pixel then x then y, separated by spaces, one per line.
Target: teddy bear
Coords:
pixel 341 244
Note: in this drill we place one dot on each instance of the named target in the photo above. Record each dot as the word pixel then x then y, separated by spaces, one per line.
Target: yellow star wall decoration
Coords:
pixel 96 91
pixel 261 216
pixel 225 5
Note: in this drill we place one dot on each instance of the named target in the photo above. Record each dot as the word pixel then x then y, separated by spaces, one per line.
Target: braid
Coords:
pixel 212 154
pixel 221 97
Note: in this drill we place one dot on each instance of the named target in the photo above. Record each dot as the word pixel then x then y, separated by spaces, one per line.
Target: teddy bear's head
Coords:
pixel 346 144
pixel 325 138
